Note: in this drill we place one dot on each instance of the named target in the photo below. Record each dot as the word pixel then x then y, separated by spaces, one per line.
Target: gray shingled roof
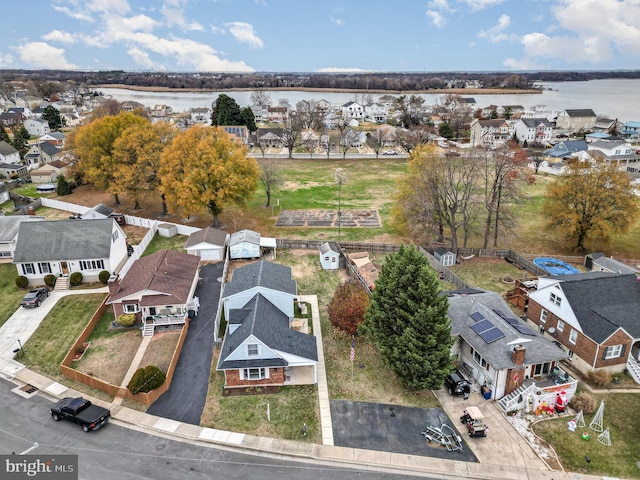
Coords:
pixel 209 235
pixel 244 236
pixel 64 240
pixel 9 225
pixel 6 149
pixel 264 274
pixel 580 112
pixel 604 302
pixel 267 323
pixel 614 265
pixel 534 122
pixel 498 353
pixel 327 247
pixel 49 149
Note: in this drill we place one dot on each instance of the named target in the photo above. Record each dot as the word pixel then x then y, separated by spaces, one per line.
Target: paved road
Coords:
pixel 184 401
pixel 118 453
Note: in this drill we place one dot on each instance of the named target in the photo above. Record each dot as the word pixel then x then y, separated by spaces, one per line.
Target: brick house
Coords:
pixel 593 316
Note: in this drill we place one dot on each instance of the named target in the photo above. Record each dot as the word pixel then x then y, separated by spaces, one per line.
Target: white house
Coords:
pixel 534 130
pixel 8 154
pixel 489 133
pixel 201 115
pixel 375 112
pixel 36 126
pixel 352 110
pixel 9 226
pixel 329 256
pixel 244 244
pixel 208 243
pixel 66 246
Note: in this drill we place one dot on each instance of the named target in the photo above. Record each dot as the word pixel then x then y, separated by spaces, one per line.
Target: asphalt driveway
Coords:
pixel 391 428
pixel 184 401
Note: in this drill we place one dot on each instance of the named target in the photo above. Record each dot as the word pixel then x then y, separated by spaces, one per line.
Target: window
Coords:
pixel 131 308
pixel 560 326
pixel 326 259
pixel 543 316
pixel 5 254
pixel 573 336
pixel 27 269
pixel 614 351
pixel 91 264
pixel 252 349
pixel 254 373
pixel 555 299
pixel 114 236
pixel 44 267
pixel 479 360
pixel 333 259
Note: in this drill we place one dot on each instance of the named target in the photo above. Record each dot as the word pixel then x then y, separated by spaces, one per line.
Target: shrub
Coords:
pixel 127 319
pixel 75 279
pixel 104 276
pixel 49 280
pixel 347 307
pixel 22 282
pixel 599 378
pixel 583 402
pixel 146 379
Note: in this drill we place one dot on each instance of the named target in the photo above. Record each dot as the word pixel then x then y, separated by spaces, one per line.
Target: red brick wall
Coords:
pixel 618 338
pixel 585 348
pixel 232 378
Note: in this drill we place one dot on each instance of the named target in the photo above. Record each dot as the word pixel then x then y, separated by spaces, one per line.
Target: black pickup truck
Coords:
pixel 81 411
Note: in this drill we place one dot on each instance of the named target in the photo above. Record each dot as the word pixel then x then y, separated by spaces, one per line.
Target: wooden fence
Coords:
pixel 109 388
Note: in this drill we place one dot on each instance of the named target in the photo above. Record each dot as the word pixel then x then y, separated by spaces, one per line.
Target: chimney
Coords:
pixel 518 355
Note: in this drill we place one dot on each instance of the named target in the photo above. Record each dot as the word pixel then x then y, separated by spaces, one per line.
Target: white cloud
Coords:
pixel 337 21
pixel 78 15
pixel 342 70
pixel 524 64
pixel 443 5
pixel 244 33
pixel 436 18
pixel 477 5
pixel 43 55
pixel 262 3
pixel 59 36
pixel 119 7
pixel 6 59
pixel 173 12
pixel 495 34
pixel 142 59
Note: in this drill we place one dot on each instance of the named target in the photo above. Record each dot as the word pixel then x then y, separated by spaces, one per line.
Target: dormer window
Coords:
pixel 252 349
pixel 555 299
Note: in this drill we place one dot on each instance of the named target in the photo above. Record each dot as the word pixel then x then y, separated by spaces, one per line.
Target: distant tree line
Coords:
pixel 45 79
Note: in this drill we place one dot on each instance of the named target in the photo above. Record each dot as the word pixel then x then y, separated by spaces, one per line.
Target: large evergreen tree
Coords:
pixel 407 319
pixel 226 111
pixel 52 115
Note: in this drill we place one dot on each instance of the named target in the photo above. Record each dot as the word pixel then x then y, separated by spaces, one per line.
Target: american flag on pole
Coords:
pixel 352 357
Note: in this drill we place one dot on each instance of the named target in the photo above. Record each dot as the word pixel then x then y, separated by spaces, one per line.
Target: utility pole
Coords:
pixel 341 177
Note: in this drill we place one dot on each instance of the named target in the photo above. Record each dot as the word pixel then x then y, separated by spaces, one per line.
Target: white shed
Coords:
pixel 445 256
pixel 329 256
pixel 167 230
pixel 208 243
pixel 244 244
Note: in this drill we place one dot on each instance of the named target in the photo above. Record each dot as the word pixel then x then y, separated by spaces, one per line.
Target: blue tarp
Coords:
pixel 555 266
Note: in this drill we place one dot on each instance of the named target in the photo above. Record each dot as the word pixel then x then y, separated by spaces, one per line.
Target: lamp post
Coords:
pixel 341 177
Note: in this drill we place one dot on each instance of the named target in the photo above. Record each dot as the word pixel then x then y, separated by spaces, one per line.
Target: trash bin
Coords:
pixel 486 393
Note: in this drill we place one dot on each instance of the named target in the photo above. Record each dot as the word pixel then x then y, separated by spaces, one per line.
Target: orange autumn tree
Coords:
pixel 590 202
pixel 348 306
pixel 204 167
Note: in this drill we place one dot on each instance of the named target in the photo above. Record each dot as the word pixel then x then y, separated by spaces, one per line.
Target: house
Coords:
pixel 594 316
pixel 244 244
pixel 445 256
pixel 97 212
pixel 208 243
pixel 260 349
pixel 352 110
pixel 375 112
pixel 159 289
pixel 269 137
pixel 565 149
pixel 160 111
pixel 12 170
pixel 9 226
pixel 631 129
pixel 239 133
pixel 66 246
pixel 329 256
pixel 271 280
pixel 11 119
pixel 40 154
pixel 8 154
pixel 489 133
pixel 36 126
pixel 496 349
pixel 576 120
pixel 534 130
pixel 54 138
pixel 132 106
pixel 599 262
pixel 200 115
pixel 49 172
pixel 277 114
pixel 309 139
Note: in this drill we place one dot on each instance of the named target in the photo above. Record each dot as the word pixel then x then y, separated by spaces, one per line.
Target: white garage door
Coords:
pixel 211 254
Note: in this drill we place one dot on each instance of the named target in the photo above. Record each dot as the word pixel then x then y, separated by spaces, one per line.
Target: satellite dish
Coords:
pixel 551 330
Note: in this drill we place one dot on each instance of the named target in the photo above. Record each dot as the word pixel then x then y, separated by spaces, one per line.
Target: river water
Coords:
pixel 614 98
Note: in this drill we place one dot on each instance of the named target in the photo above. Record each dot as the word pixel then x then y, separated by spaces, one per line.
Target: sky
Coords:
pixel 320 36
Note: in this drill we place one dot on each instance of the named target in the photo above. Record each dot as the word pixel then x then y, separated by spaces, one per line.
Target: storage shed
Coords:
pixel 329 256
pixel 167 230
pixel 598 262
pixel 445 256
pixel 208 243
pixel 244 244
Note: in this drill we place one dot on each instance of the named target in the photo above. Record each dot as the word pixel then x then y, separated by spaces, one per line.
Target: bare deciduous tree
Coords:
pixel 270 170
pixel 261 98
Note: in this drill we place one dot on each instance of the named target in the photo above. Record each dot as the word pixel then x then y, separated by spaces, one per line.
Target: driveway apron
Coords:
pixel 184 401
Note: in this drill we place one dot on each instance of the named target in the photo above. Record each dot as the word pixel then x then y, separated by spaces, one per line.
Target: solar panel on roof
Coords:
pixel 492 335
pixel 482 326
pixel 515 323
pixel 477 316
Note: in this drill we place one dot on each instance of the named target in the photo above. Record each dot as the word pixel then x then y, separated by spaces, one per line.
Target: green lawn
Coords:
pixel 177 242
pixel 53 339
pixel 11 295
pixel 619 460
pixel 487 273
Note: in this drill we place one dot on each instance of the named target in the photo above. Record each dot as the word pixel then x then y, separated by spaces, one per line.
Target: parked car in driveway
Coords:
pixel 456 384
pixel 34 297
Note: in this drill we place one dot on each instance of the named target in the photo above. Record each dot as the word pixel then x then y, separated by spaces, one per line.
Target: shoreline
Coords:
pixel 443 91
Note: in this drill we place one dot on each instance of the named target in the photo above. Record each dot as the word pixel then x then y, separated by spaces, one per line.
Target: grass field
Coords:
pixel 11 295
pixel 177 242
pixel 619 460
